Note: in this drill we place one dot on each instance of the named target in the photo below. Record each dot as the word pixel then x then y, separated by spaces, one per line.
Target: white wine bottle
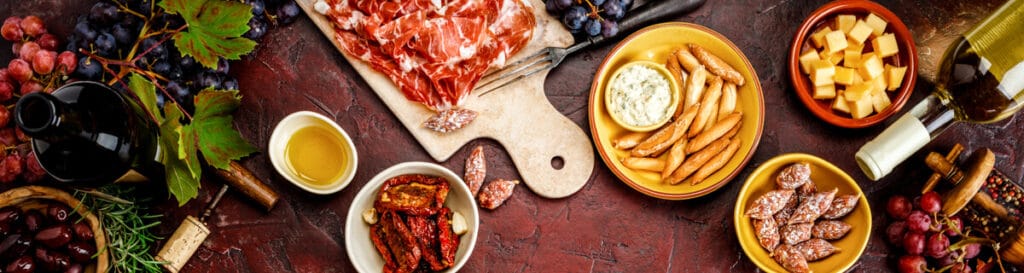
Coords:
pixel 980 80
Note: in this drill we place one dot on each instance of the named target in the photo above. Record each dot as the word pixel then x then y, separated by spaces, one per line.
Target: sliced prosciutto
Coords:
pixel 433 50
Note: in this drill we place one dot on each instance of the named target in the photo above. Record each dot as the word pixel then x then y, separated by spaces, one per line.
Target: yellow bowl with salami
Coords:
pixel 715 124
pixel 798 212
pixel 412 205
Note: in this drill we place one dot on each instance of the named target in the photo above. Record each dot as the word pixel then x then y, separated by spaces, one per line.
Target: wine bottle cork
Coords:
pixel 182 244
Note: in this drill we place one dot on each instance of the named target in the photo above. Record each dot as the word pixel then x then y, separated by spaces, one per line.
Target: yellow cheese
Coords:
pixel 880 101
pixel 845 22
pixel 851 58
pixel 844 75
pixel 894 75
pixel 836 41
pixel 878 85
pixel 853 45
pixel 822 72
pixel 808 58
pixel 871 67
pixel 858 91
pixel 825 92
pixel 818 38
pixel 834 58
pixel 861 108
pixel 860 32
pixel 876 23
pixel 840 104
pixel 857 78
pixel 885 45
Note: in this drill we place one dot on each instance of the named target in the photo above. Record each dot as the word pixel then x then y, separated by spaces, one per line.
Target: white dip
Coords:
pixel 640 96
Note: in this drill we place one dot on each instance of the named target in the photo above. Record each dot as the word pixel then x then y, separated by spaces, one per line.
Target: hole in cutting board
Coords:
pixel 557 162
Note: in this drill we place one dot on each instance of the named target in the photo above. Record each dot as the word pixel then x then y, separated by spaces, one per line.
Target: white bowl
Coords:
pixel 302 119
pixel 360 249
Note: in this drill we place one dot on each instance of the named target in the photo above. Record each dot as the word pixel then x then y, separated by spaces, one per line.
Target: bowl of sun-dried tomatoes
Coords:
pixel 412 217
pixel 800 213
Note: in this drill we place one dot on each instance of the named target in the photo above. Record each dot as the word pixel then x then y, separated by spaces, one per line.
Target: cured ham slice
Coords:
pixel 434 51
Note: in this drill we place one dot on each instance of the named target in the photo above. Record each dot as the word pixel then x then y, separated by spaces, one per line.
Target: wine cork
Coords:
pixel 182 244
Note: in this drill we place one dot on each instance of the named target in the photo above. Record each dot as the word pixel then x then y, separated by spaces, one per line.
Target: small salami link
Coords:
pixel 813 207
pixel 450 120
pixel 496 192
pixel 830 229
pixel 794 176
pixel 476 170
pixel 806 190
pixel 791 258
pixel 782 217
pixel 769 203
pixel 767 233
pixel 841 206
pixel 816 249
pixel 796 233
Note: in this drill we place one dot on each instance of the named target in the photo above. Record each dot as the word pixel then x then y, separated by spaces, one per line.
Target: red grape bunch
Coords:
pixel 36 67
pixel 931 240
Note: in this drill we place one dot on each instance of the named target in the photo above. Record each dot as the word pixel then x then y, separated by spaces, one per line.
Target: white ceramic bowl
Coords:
pixel 302 119
pixel 357 233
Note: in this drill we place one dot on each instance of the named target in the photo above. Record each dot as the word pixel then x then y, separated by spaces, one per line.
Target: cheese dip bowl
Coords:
pixel 641 96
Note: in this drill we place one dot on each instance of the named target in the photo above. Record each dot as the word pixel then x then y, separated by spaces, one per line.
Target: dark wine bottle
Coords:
pixel 87 134
pixel 980 80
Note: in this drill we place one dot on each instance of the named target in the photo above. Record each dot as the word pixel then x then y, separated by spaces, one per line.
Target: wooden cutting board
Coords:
pixel 519 116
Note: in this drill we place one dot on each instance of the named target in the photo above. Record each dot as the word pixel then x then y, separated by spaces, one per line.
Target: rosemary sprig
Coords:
pixel 129 239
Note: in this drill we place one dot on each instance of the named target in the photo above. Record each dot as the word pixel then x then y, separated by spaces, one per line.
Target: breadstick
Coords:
pixel 713 119
pixel 716 162
pixel 686 59
pixel 694 87
pixel 735 129
pixel 628 141
pixel 716 132
pixel 716 65
pixel 644 164
pixel 665 137
pixel 707 105
pixel 728 103
pixel 677 72
pixel 676 155
pixel 697 160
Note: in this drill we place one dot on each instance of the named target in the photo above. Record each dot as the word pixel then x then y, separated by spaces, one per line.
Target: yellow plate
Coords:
pixel 826 176
pixel 655 43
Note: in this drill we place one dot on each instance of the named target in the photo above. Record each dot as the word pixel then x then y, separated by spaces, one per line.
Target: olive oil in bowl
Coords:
pixel 313 152
pixel 316 155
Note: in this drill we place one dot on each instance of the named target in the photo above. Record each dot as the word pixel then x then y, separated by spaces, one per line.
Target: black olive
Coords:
pixel 58 212
pixel 34 220
pixel 55 236
pixel 83 231
pixel 52 260
pixel 9 215
pixel 14 246
pixel 81 251
pixel 23 264
pixel 75 268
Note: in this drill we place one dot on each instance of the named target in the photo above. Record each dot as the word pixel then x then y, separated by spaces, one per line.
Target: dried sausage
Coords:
pixel 813 207
pixel 816 249
pixel 496 192
pixel 841 206
pixel 794 176
pixel 767 233
pixel 830 229
pixel 476 170
pixel 791 258
pixel 795 233
pixel 769 203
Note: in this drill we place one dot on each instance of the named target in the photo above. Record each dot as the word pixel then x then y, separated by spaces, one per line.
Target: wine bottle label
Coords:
pixel 998 42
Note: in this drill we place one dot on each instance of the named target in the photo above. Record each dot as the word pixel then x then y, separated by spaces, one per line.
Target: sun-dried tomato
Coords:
pixel 446 237
pixel 415 194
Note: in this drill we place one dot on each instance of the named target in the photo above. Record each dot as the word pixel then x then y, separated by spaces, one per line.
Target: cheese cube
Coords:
pixel 822 72
pixel 880 101
pixel 840 104
pixel 834 58
pixel 825 92
pixel 858 91
pixel 878 85
pixel 836 41
pixel 851 58
pixel 818 38
pixel 861 108
pixel 808 58
pixel 853 45
pixel 894 76
pixel 857 78
pixel 844 75
pixel 885 45
pixel 876 23
pixel 860 32
pixel 845 22
pixel 871 67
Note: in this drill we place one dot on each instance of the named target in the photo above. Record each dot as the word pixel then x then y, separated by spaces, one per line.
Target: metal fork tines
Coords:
pixel 544 59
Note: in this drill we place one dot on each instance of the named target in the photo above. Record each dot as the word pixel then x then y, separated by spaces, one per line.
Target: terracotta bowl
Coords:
pixel 655 43
pixel 827 177
pixel 37 197
pixel 826 15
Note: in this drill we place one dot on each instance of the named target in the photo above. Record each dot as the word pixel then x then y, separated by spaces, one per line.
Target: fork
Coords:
pixel 550 57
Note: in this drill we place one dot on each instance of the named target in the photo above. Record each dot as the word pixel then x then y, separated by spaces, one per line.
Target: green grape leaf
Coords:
pixel 182 178
pixel 219 142
pixel 214 30
pixel 146 92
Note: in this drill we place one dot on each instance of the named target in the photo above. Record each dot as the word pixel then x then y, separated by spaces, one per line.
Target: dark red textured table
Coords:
pixel 605 227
